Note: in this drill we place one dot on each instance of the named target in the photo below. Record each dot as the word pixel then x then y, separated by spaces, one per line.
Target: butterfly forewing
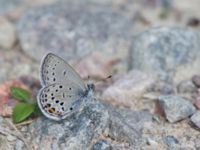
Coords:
pixel 56 100
pixel 55 70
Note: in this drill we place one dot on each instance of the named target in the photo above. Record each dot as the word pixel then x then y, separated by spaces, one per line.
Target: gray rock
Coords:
pixel 4 144
pixel 137 118
pixel 11 138
pixel 95 126
pixel 196 119
pixel 197 143
pixel 101 145
pixel 196 80
pixel 169 52
pixel 163 88
pixel 176 108
pixel 170 141
pixel 72 30
pixel 186 86
pixel 19 145
pixel 6 6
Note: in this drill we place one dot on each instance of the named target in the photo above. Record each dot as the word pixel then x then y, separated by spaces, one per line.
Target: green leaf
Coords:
pixel 21 111
pixel 20 94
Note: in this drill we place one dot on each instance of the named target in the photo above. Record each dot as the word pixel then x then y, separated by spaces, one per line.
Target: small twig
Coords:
pixel 24 123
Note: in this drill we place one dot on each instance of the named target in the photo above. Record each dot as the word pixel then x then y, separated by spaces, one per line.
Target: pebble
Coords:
pixel 197 143
pixel 101 145
pixel 176 108
pixel 163 88
pixel 197 102
pixel 196 80
pixel 186 86
pixel 19 145
pixel 196 119
pixel 170 140
pixel 151 142
pixel 11 138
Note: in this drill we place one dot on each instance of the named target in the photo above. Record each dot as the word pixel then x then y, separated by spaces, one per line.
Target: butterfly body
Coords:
pixel 63 89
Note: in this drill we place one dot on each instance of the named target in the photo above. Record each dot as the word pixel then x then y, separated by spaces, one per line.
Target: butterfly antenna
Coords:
pixel 108 77
pixel 103 79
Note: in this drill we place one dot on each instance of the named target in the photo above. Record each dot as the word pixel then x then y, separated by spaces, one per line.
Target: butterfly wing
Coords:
pixel 55 70
pixel 58 100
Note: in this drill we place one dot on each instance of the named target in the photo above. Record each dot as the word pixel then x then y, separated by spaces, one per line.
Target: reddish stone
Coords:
pixel 6 102
pixel 197 102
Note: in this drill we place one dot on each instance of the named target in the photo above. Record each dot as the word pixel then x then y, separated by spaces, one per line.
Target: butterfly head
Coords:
pixel 90 89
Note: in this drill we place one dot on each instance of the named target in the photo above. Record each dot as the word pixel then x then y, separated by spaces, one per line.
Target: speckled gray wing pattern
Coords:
pixel 58 100
pixel 62 88
pixel 55 70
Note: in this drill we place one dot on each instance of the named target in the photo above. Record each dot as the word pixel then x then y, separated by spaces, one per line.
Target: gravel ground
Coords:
pixel 151 49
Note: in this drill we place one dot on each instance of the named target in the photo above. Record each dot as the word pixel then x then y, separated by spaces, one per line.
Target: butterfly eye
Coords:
pixel 71 108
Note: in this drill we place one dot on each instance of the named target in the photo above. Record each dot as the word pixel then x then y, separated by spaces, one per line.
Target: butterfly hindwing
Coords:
pixel 56 100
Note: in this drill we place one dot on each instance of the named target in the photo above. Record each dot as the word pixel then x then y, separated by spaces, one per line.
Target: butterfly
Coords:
pixel 63 89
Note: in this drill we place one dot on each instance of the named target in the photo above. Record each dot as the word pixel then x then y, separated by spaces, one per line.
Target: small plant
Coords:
pixel 25 108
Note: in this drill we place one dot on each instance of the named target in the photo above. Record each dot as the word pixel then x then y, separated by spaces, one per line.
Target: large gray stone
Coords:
pixel 169 52
pixel 72 30
pixel 176 108
pixel 95 126
pixel 9 5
